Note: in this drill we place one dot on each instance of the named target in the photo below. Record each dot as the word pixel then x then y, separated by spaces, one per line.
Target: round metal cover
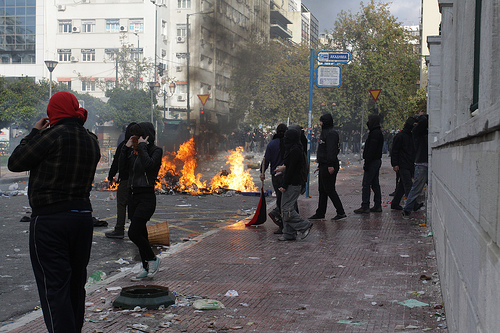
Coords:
pixel 150 297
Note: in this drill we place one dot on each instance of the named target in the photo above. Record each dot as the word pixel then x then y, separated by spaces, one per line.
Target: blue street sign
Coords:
pixel 334 56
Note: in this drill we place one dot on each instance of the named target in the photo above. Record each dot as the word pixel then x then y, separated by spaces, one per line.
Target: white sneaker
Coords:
pixel 153 266
pixel 143 275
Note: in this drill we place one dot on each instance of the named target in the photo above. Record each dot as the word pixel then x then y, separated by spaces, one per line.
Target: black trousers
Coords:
pixel 327 190
pixel 60 247
pixel 142 205
pixel 403 187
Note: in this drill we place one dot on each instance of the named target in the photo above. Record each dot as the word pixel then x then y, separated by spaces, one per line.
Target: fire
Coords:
pixel 177 172
pixel 239 179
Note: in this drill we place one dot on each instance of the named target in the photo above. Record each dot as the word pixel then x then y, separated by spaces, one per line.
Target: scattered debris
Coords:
pixel 231 293
pixel 413 303
pixel 351 322
pixel 208 304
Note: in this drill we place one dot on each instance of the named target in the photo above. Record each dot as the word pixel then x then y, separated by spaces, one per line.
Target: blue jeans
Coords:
pixel 371 181
pixel 419 182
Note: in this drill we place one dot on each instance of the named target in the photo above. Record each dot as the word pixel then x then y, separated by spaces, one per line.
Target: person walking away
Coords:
pixel 142 158
pixel 62 161
pixel 420 133
pixel 291 187
pixel 122 190
pixel 329 166
pixel 402 159
pixel 273 156
pixel 372 154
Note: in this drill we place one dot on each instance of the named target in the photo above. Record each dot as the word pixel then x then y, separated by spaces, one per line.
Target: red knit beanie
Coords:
pixel 63 105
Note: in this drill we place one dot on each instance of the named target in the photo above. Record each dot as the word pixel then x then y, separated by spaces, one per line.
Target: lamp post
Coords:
pixel 188 106
pixel 171 89
pixel 51 65
pixel 152 86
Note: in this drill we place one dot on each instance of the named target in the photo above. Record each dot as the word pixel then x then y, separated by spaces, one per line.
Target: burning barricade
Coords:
pixel 178 174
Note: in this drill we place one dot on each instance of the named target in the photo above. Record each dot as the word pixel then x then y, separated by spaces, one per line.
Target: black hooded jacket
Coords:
pixel 420 134
pixel 113 170
pixel 375 140
pixel 403 151
pixel 143 167
pixel 328 147
pixel 293 161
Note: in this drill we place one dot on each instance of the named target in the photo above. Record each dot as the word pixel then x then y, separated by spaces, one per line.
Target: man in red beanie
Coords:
pixel 62 157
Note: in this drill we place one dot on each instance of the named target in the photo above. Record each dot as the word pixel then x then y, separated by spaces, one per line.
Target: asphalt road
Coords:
pixel 188 216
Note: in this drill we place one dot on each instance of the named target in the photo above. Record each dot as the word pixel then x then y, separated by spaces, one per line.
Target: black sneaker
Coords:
pixel 377 209
pixel 282 239
pixel 362 210
pixel 339 217
pixel 418 206
pixel 398 207
pixel 278 232
pixel 316 217
pixel 405 214
pixel 115 234
pixel 306 232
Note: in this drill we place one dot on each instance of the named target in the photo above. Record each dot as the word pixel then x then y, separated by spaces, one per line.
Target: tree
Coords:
pixel 383 57
pixel 128 106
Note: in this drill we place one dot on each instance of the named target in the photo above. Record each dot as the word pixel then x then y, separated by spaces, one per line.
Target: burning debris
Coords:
pixel 177 174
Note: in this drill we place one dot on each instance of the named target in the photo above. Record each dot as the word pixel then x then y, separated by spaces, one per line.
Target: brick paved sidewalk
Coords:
pixel 347 276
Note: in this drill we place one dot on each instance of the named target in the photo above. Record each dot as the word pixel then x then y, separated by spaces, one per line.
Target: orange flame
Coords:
pixel 239 179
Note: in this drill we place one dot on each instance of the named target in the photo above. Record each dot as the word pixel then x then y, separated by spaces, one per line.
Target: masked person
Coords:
pixel 142 158
pixel 372 154
pixel 291 187
pixel 62 161
pixel 329 166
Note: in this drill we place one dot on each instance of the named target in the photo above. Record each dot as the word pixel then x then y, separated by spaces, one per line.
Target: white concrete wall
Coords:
pixel 465 165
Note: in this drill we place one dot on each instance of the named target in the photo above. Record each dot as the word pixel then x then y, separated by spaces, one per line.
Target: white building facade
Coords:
pixel 464 139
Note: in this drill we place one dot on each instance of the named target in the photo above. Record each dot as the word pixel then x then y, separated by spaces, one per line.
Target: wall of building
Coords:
pixel 464 193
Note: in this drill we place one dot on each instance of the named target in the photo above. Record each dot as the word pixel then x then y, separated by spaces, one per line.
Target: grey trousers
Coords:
pixel 292 221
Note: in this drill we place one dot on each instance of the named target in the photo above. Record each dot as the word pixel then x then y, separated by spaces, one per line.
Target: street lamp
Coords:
pixel 156 31
pixel 188 107
pixel 171 89
pixel 51 65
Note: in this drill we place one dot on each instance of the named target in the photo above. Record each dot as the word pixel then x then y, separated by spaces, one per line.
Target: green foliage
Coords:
pixel 128 106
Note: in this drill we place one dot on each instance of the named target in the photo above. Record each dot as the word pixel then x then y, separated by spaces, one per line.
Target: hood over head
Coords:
pixel 280 131
pixel 64 104
pixel 127 131
pixel 373 121
pixel 327 120
pixel 409 123
pixel 145 129
pixel 292 136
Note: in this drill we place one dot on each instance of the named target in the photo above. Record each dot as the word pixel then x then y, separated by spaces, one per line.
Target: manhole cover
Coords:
pixel 150 297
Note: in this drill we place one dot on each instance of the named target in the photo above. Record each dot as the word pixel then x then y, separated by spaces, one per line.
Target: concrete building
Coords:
pixel 464 139
pixel 429 26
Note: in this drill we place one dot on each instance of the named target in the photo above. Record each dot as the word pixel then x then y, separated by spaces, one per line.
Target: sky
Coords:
pixel 406 11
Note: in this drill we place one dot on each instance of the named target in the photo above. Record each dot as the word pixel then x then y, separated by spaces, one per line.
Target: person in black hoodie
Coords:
pixel 402 157
pixel 372 154
pixel 420 139
pixel 329 166
pixel 142 158
pixel 292 183
pixel 122 191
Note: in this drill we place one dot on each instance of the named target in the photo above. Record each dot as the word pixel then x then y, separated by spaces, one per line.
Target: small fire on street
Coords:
pixel 178 173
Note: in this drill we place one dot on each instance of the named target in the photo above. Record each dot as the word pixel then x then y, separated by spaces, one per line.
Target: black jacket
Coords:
pixel 328 146
pixel 375 140
pixel 142 168
pixel 403 151
pixel 420 139
pixel 293 159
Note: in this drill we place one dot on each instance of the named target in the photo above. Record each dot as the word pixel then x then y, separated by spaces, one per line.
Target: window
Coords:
pixel 88 54
pixel 183 3
pixel 181 30
pixel 136 25
pixel 88 26
pixel 64 26
pixel 181 88
pixel 66 82
pixel 88 85
pixel 112 25
pixel 64 55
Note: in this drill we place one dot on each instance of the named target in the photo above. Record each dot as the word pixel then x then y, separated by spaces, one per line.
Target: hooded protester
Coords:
pixel 291 187
pixel 328 167
pixel 402 157
pixel 372 154
pixel 62 161
pixel 273 156
pixel 142 158
pixel 122 190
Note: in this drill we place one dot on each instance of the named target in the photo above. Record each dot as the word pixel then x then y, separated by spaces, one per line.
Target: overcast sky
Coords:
pixel 406 11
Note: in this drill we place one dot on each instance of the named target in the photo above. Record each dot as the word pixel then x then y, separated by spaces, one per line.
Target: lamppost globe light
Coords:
pixel 51 65
pixel 171 88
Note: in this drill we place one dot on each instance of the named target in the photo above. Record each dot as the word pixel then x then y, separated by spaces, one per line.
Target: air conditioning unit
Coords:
pixel 75 29
pixel 181 98
pixel 181 39
pixel 61 8
pixel 178 69
pixel 123 28
pixel 74 59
